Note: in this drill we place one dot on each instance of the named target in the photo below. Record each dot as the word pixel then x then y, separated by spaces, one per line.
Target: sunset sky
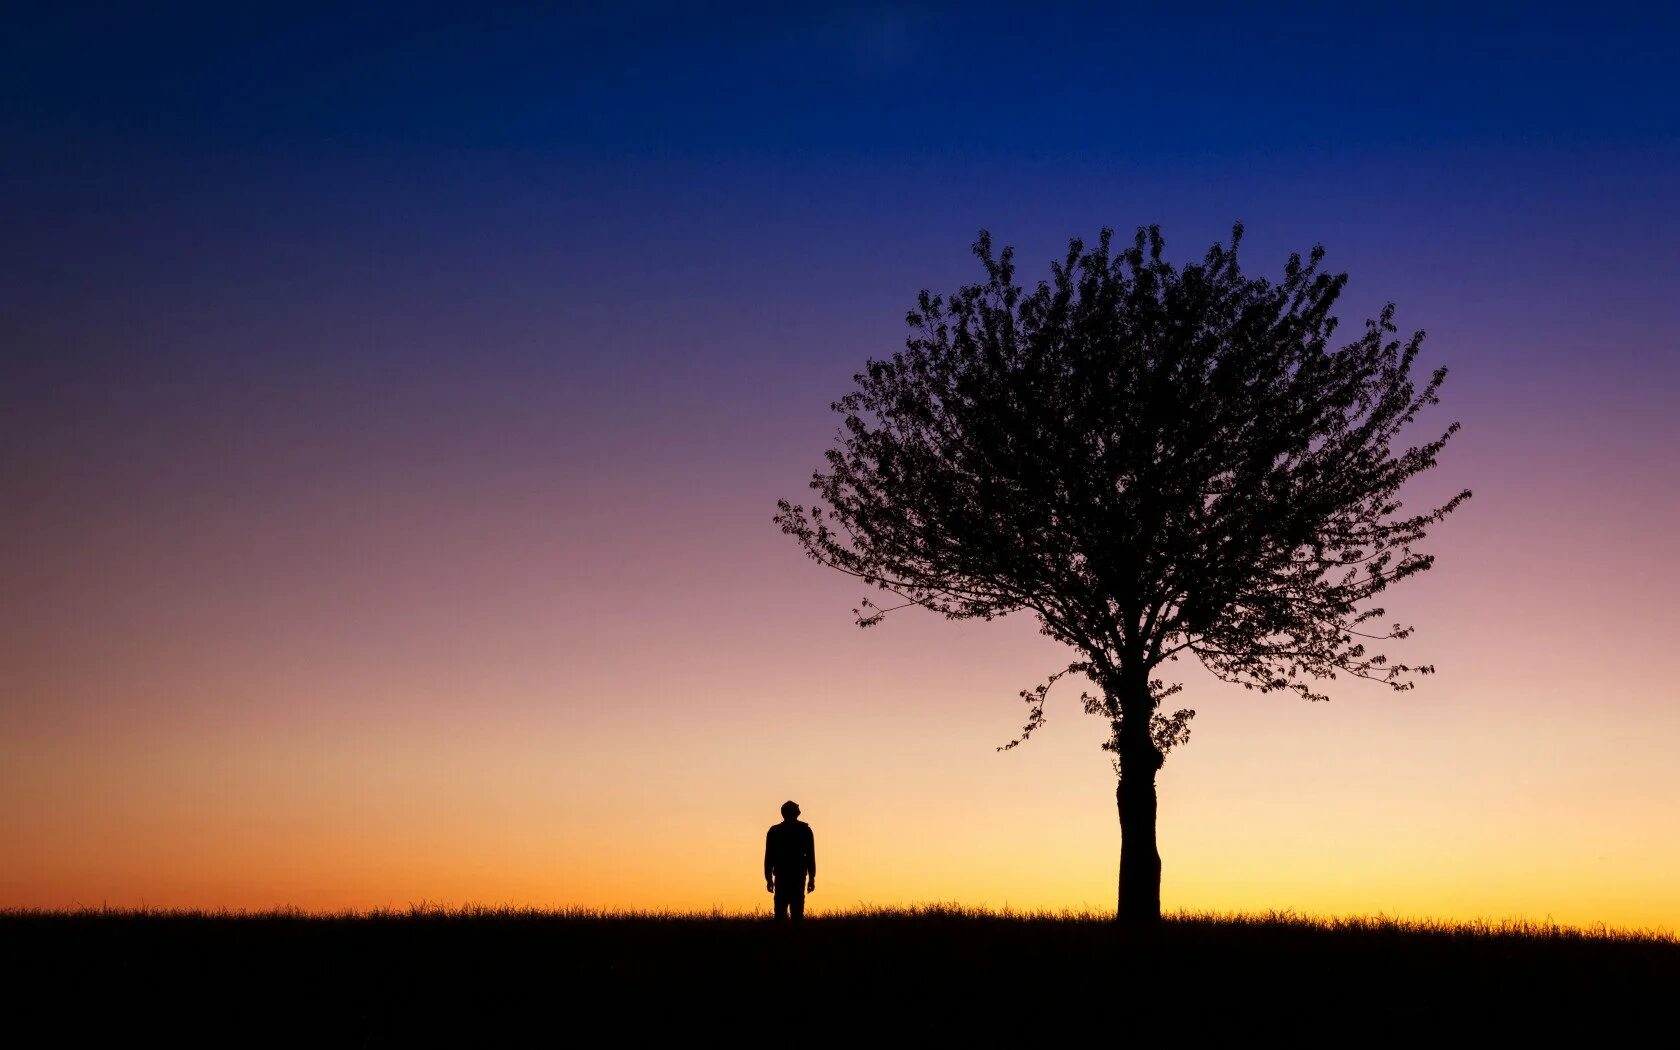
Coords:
pixel 394 402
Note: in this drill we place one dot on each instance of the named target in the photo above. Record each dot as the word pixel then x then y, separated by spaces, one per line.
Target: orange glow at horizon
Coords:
pixel 570 702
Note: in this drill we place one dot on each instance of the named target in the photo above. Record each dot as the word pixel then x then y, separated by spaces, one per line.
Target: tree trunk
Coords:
pixel 1134 795
pixel 1140 861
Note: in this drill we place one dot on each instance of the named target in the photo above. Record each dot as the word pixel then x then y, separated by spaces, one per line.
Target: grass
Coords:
pixel 1527 929
pixel 938 972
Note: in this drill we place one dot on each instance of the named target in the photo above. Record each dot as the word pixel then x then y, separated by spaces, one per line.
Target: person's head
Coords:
pixel 790 811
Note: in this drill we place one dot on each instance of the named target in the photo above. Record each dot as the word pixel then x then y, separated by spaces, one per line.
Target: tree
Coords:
pixel 1156 461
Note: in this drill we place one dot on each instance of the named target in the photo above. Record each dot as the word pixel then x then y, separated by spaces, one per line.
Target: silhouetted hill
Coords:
pixel 925 975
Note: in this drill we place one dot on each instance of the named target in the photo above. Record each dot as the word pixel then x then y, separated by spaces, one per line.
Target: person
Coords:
pixel 790 863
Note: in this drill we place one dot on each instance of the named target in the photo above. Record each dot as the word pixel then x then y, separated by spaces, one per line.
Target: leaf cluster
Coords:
pixel 1155 460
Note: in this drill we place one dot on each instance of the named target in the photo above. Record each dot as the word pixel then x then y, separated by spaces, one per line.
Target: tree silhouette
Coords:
pixel 1155 460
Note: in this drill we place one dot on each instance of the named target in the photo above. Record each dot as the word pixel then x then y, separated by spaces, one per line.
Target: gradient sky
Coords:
pixel 393 405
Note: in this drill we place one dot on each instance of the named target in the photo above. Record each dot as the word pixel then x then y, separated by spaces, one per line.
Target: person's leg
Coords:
pixel 796 902
pixel 781 906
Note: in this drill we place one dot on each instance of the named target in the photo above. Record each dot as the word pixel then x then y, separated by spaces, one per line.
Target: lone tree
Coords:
pixel 1155 461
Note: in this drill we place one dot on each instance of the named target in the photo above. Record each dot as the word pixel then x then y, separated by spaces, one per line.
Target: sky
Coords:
pixel 394 402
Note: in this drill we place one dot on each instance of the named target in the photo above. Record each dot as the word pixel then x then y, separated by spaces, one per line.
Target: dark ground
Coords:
pixel 517 977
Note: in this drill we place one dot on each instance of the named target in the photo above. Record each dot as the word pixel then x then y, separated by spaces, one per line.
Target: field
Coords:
pixel 925 975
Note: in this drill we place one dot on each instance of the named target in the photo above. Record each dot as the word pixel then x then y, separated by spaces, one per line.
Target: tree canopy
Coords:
pixel 1155 460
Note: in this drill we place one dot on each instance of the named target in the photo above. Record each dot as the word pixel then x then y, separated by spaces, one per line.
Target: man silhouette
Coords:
pixel 790 863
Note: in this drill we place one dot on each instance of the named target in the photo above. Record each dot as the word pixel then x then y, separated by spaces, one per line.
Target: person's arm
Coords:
pixel 810 860
pixel 769 876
